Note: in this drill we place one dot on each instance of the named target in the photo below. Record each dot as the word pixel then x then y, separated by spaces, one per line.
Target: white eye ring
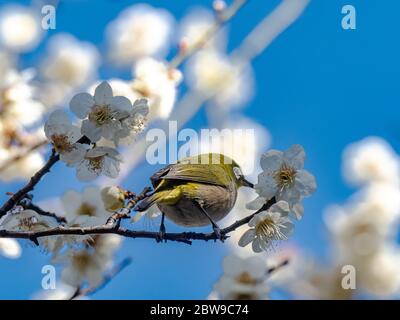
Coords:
pixel 238 173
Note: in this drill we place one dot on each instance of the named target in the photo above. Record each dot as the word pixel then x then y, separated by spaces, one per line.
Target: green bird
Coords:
pixel 196 191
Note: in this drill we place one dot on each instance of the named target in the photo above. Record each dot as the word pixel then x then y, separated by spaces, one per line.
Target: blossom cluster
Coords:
pixel 84 258
pixel 362 234
pixel 105 119
pixel 283 179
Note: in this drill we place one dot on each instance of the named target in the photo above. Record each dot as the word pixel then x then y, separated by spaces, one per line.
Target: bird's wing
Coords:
pixel 203 173
pixel 157 177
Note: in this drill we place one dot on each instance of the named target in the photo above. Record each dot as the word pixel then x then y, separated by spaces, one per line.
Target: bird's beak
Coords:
pixel 247 183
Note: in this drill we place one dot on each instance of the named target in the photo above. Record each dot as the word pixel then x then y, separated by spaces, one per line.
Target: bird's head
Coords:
pixel 236 174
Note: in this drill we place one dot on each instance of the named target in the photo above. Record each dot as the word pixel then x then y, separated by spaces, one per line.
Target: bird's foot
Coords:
pixel 161 234
pixel 218 234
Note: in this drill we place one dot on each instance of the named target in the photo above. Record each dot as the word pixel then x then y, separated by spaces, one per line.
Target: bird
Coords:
pixel 196 191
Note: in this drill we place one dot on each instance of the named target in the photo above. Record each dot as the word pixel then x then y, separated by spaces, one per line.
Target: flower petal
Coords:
pixel 141 106
pixel 81 104
pixel 111 168
pixel 272 160
pixel 256 204
pixel 10 248
pixel 298 210
pixel 84 173
pixel 121 103
pixel 232 265
pixel 247 237
pixel 305 182
pixel 282 207
pixel 103 94
pixel 58 123
pixel 266 186
pixel 287 228
pixel 256 245
pixel 90 130
pixel 295 156
pixel 75 156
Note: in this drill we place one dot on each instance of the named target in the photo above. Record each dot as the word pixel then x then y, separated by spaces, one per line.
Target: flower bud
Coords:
pixel 113 198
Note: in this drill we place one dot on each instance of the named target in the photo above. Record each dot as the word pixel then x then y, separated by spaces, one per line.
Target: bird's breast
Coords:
pixel 218 201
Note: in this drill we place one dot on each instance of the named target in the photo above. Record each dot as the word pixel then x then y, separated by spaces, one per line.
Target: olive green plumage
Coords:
pixel 183 191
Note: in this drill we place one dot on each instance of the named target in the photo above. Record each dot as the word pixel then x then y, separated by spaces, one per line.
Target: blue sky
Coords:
pixel 317 85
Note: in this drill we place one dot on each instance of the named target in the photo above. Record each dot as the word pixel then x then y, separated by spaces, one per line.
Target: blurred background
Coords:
pixel 316 84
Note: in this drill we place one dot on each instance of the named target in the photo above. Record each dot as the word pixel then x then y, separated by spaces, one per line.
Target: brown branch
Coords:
pixel 30 206
pixel 112 226
pixel 18 196
pixel 277 267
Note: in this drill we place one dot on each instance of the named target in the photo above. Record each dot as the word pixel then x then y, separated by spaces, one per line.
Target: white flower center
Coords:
pixel 285 176
pixel 100 115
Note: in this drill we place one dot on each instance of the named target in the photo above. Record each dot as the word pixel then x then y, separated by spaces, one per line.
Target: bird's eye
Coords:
pixel 238 173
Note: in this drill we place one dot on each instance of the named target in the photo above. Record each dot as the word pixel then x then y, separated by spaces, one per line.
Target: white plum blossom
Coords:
pixel 102 112
pixel 29 220
pixel 133 124
pixel 381 276
pixel 88 265
pixel 17 98
pixel 284 178
pixel 70 61
pixel 120 88
pixel 86 205
pixel 214 75
pixel 98 161
pixel 371 159
pixel 20 28
pixel 155 81
pixel 64 136
pixel 139 31
pixel 195 25
pixel 267 227
pixel 243 278
pixel 10 248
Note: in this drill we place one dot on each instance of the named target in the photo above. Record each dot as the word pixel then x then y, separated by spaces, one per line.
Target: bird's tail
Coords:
pixel 146 203
pixel 169 197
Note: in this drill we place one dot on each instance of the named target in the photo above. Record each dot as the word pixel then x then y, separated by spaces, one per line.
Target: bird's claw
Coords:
pixel 218 234
pixel 161 234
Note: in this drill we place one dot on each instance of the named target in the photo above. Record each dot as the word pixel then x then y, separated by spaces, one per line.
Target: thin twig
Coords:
pixel 277 267
pixel 18 196
pixel 221 19
pixel 30 206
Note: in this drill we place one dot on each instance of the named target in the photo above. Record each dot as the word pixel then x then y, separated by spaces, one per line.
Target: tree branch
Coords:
pixel 18 196
pixel 112 226
pixel 222 18
pixel 30 206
